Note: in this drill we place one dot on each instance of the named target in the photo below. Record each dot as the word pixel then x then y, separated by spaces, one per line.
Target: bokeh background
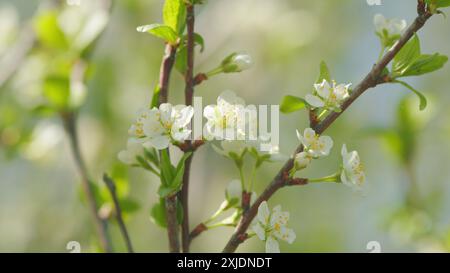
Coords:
pixel 406 206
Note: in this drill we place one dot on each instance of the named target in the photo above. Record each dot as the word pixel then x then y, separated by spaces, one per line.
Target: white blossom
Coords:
pixel 134 149
pixel 242 62
pixel 302 160
pixel 157 128
pixel 175 120
pixel 223 118
pixel 352 173
pixel 9 26
pixel 314 145
pixel 328 96
pixel 389 30
pixel 271 227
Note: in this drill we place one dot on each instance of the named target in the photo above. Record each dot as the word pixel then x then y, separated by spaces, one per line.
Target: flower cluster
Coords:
pixel 315 146
pixel 328 96
pixel 271 227
pixel 157 128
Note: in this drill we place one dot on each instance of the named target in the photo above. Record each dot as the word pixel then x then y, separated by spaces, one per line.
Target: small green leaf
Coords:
pixel 425 64
pixel 422 98
pixel 164 191
pixel 199 41
pixel 167 172
pixel 152 155
pixel 57 92
pixel 292 104
pixel 129 205
pixel 48 31
pixel 175 184
pixel 438 3
pixel 158 213
pixel 43 110
pixel 406 57
pixel 174 15
pixel 181 60
pixel 179 172
pixel 155 97
pixel 324 73
pixel 161 31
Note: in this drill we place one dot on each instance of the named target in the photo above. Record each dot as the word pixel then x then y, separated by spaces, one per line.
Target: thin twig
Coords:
pixel 189 93
pixel 112 190
pixel 282 179
pixel 166 69
pixel 69 120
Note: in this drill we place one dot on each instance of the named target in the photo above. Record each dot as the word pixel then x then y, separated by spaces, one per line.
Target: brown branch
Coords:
pixel 313 119
pixel 172 224
pixel 123 229
pixel 199 229
pixel 69 120
pixel 166 68
pixel 189 93
pixel 281 179
pixel 199 78
pixel 167 64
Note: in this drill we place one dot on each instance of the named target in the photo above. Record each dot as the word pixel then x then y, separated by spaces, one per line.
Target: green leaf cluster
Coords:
pixel 174 17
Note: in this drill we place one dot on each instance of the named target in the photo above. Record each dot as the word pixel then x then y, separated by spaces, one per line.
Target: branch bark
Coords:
pixel 282 179
pixel 118 210
pixel 167 64
pixel 189 93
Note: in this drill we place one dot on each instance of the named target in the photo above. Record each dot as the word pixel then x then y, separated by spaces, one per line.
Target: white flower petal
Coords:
pixel 324 89
pixel 210 112
pixel 314 101
pixel 234 189
pixel 260 232
pixel 158 142
pixel 124 157
pixel 286 234
pixel 326 143
pixel 272 245
pixel 263 213
pixel 379 21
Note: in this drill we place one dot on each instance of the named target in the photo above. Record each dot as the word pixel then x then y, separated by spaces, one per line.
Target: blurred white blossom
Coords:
pixel 9 26
pixel 389 30
pixel 133 150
